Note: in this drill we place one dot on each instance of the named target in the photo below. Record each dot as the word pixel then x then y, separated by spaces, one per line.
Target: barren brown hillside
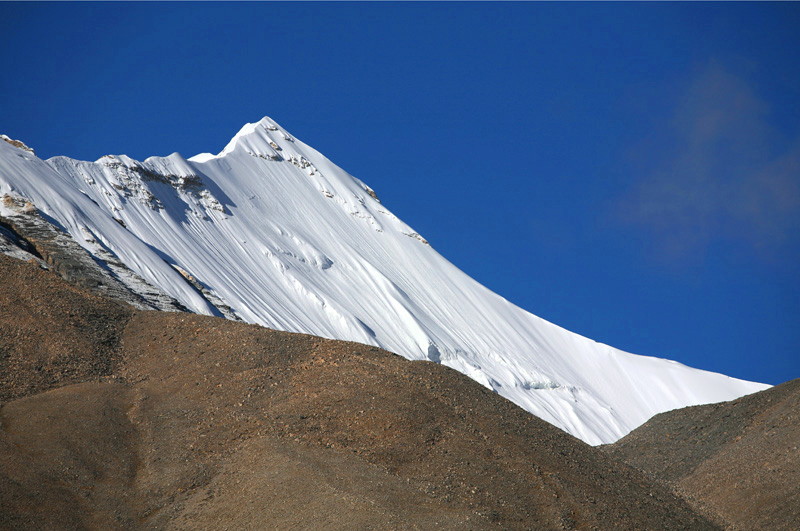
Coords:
pixel 738 460
pixel 117 418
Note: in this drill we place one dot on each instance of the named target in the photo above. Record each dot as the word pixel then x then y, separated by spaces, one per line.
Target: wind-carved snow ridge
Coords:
pixel 270 231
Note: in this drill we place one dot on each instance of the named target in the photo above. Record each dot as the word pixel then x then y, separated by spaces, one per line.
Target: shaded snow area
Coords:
pixel 271 232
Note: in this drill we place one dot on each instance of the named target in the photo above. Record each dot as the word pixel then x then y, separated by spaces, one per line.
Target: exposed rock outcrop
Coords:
pixel 26 229
pixel 17 143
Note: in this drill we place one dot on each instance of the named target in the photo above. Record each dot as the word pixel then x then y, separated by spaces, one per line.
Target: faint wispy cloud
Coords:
pixel 721 172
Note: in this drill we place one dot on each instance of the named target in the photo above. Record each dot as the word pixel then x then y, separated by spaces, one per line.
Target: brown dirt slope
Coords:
pixel 52 333
pixel 736 460
pixel 183 421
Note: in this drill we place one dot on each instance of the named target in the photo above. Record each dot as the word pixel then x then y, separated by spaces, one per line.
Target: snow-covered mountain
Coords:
pixel 271 232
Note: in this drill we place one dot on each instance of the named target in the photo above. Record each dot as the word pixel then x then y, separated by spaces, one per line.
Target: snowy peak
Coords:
pixel 259 138
pixel 272 232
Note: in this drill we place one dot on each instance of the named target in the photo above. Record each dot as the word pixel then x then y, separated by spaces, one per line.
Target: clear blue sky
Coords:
pixel 628 171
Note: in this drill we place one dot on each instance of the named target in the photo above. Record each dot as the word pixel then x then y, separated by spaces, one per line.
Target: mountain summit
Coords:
pixel 269 231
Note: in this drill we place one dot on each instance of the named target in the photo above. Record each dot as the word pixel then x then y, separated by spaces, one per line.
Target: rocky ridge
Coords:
pixel 26 230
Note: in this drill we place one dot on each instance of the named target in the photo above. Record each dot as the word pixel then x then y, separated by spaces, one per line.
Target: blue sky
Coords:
pixel 629 171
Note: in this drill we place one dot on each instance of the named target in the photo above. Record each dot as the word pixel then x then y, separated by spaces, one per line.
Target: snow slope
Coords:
pixel 286 239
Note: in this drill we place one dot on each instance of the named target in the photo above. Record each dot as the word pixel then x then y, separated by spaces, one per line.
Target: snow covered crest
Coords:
pixel 280 236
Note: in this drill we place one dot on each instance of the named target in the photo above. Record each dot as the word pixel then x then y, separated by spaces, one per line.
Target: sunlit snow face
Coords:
pixel 271 232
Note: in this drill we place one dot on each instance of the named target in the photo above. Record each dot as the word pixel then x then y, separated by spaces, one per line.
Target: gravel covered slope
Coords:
pixel 53 333
pixel 169 420
pixel 737 460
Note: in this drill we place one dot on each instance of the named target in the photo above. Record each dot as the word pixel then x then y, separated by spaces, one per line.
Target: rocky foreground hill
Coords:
pixel 118 418
pixel 736 461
